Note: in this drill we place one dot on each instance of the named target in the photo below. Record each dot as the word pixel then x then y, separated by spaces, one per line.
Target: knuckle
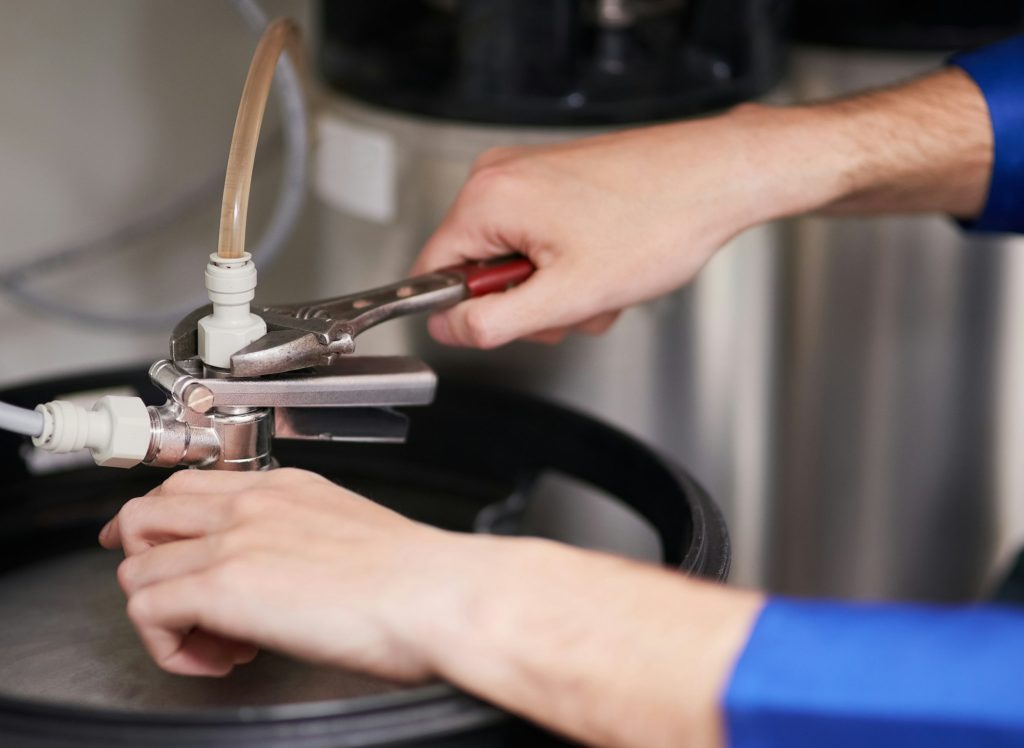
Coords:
pixel 235 543
pixel 251 505
pixel 224 544
pixel 126 572
pixel 128 517
pixel 142 607
pixel 179 481
pixel 259 502
pixel 236 509
pixel 492 180
pixel 228 576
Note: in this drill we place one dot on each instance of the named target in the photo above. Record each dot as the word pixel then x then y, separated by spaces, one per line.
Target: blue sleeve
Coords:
pixel 847 675
pixel 999 72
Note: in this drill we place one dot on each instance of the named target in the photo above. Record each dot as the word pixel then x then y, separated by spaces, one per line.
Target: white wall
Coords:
pixel 107 108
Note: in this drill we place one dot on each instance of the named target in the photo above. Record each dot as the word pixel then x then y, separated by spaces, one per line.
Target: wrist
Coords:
pixel 580 641
pixel 444 604
pixel 797 159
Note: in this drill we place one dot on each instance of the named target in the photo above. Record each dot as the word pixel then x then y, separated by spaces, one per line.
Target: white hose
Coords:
pixel 20 420
pixel 291 198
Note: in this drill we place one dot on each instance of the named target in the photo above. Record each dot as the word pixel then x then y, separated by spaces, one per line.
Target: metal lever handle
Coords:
pixel 226 423
pixel 358 382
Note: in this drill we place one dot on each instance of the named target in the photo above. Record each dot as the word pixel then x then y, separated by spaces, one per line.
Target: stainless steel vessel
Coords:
pixel 900 421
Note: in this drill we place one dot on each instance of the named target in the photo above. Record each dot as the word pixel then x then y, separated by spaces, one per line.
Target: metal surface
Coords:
pixel 180 437
pixel 235 420
pixel 364 381
pixel 373 425
pixel 182 385
pixel 99 660
pixel 238 440
pixel 900 442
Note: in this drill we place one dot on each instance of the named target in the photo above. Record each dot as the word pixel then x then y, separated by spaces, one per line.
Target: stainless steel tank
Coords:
pixel 901 423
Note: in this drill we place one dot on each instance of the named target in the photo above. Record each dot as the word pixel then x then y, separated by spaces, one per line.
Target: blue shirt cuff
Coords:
pixel 819 674
pixel 999 72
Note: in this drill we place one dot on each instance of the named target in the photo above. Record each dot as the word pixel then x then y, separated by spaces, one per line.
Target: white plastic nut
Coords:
pixel 231 284
pixel 129 432
pixel 117 430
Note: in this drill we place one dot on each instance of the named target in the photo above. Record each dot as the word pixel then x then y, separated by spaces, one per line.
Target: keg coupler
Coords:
pixel 236 378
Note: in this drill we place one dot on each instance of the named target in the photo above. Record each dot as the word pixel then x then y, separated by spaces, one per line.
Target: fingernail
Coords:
pixel 105 531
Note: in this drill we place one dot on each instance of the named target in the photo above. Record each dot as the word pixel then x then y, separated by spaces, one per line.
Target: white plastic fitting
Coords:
pixel 231 284
pixel 117 430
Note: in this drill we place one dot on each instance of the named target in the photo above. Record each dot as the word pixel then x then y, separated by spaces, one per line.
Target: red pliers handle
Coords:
pixel 482 277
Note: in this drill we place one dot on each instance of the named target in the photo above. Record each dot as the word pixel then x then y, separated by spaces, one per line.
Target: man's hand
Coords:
pixel 614 220
pixel 608 221
pixel 216 563
pixel 608 651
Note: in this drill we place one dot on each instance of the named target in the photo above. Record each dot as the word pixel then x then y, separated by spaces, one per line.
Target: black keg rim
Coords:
pixel 439 704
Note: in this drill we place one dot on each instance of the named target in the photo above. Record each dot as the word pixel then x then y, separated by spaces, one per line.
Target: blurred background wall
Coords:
pixel 112 108
pixel 897 470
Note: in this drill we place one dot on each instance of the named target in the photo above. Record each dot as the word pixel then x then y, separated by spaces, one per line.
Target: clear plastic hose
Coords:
pixel 280 35
pixel 288 209
pixel 20 420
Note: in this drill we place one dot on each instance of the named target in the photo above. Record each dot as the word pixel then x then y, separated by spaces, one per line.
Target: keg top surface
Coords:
pixel 64 637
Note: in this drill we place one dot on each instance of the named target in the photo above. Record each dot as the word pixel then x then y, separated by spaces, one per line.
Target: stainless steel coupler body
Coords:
pixel 222 423
pixel 218 441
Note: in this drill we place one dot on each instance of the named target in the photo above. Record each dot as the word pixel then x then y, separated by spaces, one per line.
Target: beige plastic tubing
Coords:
pixel 281 35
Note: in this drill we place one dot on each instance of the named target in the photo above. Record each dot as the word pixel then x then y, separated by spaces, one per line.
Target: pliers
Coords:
pixel 300 336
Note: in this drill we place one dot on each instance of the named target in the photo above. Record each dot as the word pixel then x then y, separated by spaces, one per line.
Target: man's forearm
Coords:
pixel 923 146
pixel 607 651
pixel 920 147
